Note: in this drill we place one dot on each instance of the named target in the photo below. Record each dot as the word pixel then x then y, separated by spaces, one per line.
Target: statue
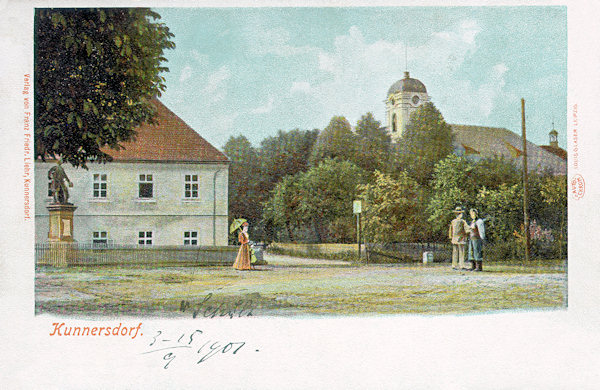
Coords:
pixel 58 186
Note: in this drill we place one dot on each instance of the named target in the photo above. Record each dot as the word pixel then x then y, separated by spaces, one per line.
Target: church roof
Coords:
pixel 407 84
pixel 482 142
pixel 169 140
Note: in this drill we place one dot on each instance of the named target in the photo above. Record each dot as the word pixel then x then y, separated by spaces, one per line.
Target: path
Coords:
pixel 298 286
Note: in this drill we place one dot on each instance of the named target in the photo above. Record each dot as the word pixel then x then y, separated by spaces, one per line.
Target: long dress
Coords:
pixel 242 261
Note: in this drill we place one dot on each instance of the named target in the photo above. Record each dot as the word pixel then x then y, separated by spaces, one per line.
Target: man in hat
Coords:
pixel 457 233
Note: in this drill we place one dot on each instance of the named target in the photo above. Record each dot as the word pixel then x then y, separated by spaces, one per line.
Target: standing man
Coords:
pixel 457 233
pixel 476 238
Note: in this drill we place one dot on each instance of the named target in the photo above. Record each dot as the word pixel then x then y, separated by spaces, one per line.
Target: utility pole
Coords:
pixel 525 184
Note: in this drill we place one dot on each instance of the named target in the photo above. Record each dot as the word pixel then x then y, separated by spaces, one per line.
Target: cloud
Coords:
pixel 266 108
pixel 201 59
pixel 262 41
pixel 300 87
pixel 550 82
pixel 216 85
pixel 474 103
pixel 186 73
pixel 356 68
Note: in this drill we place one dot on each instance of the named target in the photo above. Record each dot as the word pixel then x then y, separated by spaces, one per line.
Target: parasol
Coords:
pixel 236 224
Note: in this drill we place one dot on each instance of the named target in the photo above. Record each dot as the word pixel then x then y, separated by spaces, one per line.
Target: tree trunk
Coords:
pixel 289 230
pixel 317 232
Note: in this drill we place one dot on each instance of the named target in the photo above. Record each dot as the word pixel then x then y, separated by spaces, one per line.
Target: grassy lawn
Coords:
pixel 289 290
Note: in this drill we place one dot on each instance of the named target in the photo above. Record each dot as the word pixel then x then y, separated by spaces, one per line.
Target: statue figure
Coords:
pixel 58 186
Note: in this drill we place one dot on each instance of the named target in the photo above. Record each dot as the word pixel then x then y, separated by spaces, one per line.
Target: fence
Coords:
pixel 62 254
pixel 313 250
pixel 408 251
pixel 376 253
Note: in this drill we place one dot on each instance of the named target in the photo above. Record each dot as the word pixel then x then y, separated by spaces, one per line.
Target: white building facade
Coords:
pixel 169 187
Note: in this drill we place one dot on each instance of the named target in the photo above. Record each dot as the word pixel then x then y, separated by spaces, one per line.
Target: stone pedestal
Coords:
pixel 62 248
pixel 61 222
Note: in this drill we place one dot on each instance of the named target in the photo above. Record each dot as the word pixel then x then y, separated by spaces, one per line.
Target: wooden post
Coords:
pixel 358 232
pixel 357 209
pixel 525 185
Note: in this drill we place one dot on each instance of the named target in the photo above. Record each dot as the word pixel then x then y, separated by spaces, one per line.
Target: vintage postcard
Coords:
pixel 320 195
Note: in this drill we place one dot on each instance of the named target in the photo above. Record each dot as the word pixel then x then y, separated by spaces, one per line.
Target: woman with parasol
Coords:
pixel 242 261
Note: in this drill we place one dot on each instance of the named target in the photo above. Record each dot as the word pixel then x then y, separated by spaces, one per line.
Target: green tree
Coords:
pixel 245 193
pixel 426 140
pixel 504 208
pixel 393 209
pixel 335 141
pixel 96 71
pixel 326 194
pixel 373 144
pixel 454 184
pixel 286 154
pixel 282 207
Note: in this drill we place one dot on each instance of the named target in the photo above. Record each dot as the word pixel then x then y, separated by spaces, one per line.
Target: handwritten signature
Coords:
pixel 195 343
pixel 239 308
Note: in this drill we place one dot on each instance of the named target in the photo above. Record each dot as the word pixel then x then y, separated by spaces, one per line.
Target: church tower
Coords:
pixel 403 98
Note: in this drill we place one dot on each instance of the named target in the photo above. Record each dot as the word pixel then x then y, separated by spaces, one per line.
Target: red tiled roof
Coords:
pixel 560 152
pixel 170 139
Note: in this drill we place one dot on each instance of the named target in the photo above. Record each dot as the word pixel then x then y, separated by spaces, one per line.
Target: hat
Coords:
pixel 458 210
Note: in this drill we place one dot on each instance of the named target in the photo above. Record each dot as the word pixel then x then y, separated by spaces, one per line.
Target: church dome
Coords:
pixel 407 85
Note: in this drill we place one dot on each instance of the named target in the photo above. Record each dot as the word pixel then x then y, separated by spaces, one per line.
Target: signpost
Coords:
pixel 357 209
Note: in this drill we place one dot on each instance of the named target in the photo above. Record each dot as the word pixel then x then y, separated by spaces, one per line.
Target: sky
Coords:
pixel 254 71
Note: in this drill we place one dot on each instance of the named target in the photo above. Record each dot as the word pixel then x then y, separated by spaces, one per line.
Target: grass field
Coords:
pixel 297 287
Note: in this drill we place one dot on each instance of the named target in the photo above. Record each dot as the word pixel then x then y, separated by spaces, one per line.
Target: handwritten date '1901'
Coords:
pixel 195 344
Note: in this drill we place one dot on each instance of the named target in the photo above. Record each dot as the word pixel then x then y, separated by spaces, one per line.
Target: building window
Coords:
pixel 146 187
pixel 100 239
pixel 99 185
pixel 394 123
pixel 145 238
pixel 50 194
pixel 191 187
pixel 190 238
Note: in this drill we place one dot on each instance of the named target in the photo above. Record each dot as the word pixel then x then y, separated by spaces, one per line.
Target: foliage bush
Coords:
pixel 393 209
pixel 514 250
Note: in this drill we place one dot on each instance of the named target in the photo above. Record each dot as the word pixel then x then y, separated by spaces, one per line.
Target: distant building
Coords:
pixel 475 142
pixel 167 187
pixel 553 147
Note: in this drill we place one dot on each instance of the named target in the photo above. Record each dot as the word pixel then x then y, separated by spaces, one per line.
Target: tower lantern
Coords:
pixel 553 138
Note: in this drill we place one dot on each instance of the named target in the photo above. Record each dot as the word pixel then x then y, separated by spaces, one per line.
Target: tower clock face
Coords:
pixel 416 100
